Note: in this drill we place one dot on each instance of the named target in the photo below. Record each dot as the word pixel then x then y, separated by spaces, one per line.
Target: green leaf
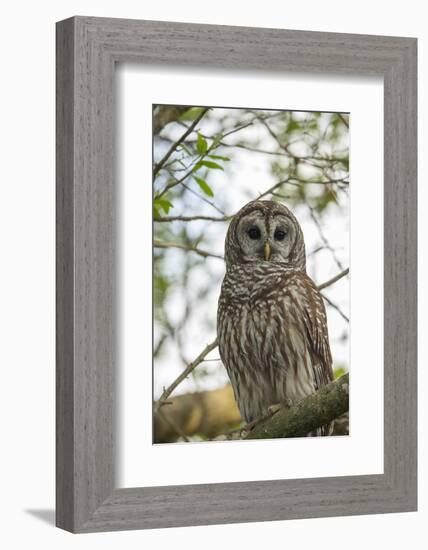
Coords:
pixel 156 213
pixel 209 164
pixel 218 157
pixel 201 145
pixel 340 371
pixel 293 125
pixel 191 114
pixel 216 141
pixel 164 204
pixel 204 186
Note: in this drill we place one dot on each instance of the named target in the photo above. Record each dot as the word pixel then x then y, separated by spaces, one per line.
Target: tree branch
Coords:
pixel 334 279
pixel 203 253
pixel 204 199
pixel 344 119
pixel 192 218
pixel 174 146
pixel 190 367
pixel 336 307
pixel 166 114
pixel 172 424
pixel 323 237
pixel 309 159
pixel 273 188
pixel 211 413
pixel 316 410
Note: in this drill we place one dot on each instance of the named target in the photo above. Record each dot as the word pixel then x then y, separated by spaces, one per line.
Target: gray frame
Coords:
pixel 87 50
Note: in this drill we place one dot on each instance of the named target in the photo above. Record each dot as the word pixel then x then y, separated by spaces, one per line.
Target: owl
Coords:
pixel 271 320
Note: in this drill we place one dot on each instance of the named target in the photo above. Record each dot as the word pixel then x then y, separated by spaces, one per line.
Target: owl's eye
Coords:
pixel 280 234
pixel 254 233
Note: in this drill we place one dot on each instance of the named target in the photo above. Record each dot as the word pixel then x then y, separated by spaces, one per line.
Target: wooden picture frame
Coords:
pixel 87 50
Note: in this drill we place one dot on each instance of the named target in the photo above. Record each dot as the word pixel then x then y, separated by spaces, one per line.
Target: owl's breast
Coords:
pixel 249 328
pixel 263 342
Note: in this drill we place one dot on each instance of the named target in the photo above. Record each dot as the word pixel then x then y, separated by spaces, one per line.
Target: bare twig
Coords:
pixel 240 127
pixel 284 149
pixel 203 253
pixel 174 146
pixel 323 237
pixel 309 159
pixel 336 307
pixel 297 181
pixel 315 251
pixel 272 188
pixel 281 196
pixel 192 218
pixel 334 279
pixel 190 367
pixel 204 199
pixel 343 119
pixel 159 345
pixel 274 136
pixel 252 149
pixel 173 183
pixel 172 424
pixel 326 182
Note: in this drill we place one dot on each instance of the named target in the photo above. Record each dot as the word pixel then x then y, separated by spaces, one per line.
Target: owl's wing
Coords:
pixel 312 311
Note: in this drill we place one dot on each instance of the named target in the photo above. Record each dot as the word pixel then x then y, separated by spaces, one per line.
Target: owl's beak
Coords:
pixel 266 251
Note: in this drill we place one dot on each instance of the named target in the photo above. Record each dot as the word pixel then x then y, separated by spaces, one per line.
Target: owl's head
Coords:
pixel 265 231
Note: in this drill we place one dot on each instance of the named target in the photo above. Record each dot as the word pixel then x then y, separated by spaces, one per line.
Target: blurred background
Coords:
pixel 208 163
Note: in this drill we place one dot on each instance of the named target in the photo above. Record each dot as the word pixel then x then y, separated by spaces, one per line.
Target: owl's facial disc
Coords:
pixel 267 238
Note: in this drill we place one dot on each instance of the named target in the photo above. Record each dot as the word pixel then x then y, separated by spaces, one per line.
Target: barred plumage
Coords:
pixel 272 325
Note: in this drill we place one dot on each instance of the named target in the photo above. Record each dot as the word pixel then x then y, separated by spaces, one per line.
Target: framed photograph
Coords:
pixel 236 274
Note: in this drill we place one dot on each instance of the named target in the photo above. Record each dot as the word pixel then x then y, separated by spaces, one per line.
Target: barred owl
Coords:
pixel 271 322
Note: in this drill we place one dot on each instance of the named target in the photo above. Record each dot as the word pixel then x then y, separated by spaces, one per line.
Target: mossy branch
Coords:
pixel 314 411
